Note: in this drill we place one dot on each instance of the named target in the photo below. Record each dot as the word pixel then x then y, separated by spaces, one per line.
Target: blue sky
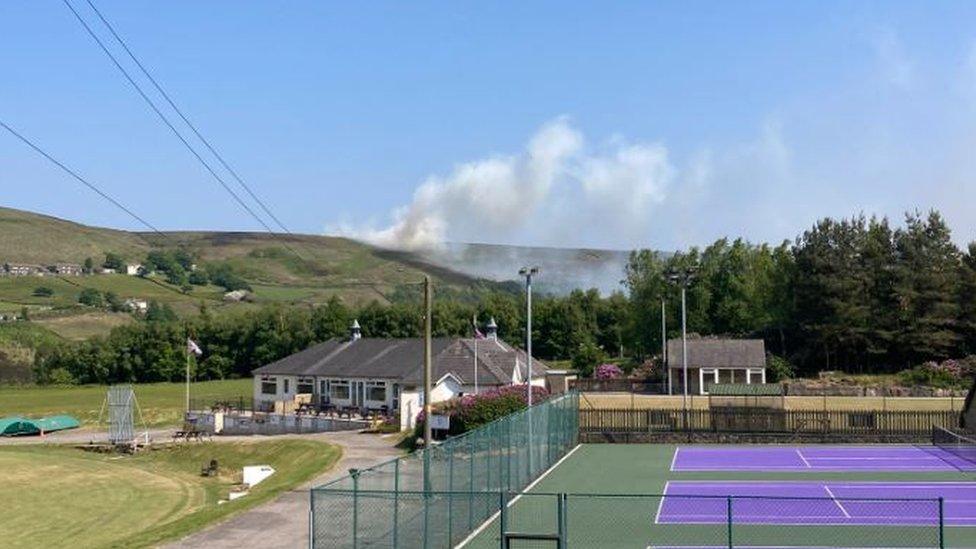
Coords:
pixel 586 124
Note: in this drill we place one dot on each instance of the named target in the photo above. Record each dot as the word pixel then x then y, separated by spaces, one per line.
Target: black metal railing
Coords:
pixel 224 404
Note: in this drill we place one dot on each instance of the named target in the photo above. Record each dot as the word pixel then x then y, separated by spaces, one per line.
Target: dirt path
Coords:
pixel 284 521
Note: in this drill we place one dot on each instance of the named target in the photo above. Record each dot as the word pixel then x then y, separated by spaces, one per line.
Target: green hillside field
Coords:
pixel 290 269
pixel 161 404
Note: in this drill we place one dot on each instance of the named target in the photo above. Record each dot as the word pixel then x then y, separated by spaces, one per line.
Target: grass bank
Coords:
pixel 71 498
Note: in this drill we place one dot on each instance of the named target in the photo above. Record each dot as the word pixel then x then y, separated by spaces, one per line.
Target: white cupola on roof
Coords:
pixel 491 329
pixel 355 332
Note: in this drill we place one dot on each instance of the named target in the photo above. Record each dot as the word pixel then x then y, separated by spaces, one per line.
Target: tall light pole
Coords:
pixel 682 277
pixel 428 298
pixel 527 272
pixel 664 341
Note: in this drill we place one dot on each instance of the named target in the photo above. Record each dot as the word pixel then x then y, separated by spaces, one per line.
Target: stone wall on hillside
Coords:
pixel 804 387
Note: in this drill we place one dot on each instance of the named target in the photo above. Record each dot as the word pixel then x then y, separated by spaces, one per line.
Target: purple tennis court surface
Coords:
pixel 816 458
pixel 818 503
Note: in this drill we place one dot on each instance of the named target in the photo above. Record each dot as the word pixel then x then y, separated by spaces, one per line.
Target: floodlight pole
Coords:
pixel 684 349
pixel 474 321
pixel 428 290
pixel 428 297
pixel 527 272
pixel 683 278
pixel 664 342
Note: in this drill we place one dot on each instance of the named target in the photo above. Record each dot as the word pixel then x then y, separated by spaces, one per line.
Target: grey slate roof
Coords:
pixel 402 360
pixel 719 353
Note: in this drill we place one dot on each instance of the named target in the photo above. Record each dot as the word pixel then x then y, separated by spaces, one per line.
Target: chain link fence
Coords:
pixel 479 520
pixel 436 497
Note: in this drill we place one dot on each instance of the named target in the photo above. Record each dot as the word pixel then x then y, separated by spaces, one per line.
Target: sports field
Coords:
pixel 59 496
pixel 646 495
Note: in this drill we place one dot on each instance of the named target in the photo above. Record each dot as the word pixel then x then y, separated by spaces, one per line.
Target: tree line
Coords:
pixel 857 295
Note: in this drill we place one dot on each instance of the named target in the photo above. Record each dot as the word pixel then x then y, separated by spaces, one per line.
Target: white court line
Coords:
pixel 859 458
pixel 874 483
pixel 492 518
pixel 752 547
pixel 674 458
pixel 833 497
pixel 657 516
pixel 807 463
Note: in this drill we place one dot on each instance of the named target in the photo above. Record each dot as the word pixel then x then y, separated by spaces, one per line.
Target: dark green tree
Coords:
pixel 91 297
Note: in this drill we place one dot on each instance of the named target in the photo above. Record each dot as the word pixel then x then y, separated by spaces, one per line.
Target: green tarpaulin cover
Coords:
pixel 13 426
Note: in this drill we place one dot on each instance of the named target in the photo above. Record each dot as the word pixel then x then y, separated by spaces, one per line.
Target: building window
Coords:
pixel 709 376
pixel 286 386
pixel 305 386
pixel 755 376
pixel 340 390
pixel 323 387
pixel 376 392
pixel 269 387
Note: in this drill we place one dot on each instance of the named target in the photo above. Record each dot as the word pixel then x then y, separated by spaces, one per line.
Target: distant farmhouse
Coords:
pixel 23 269
pixel 715 360
pixel 386 374
pixel 136 305
pixel 66 269
pixel 133 269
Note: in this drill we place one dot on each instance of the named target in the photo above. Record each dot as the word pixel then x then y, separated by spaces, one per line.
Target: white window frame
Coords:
pixel 340 384
pixel 701 378
pixel 305 381
pixel 374 385
pixel 752 373
pixel 272 381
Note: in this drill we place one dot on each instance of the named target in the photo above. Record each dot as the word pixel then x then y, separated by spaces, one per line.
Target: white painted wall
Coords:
pixel 410 406
pixel 253 474
pixel 411 402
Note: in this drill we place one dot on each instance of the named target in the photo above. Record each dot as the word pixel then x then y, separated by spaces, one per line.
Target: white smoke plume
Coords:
pixel 548 189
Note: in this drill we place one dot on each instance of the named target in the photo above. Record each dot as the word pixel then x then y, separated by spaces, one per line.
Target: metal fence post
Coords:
pixel 941 523
pixel 502 517
pixel 311 518
pixel 471 451
pixel 355 508
pixel 729 513
pixel 396 502
pixel 562 521
pixel 450 496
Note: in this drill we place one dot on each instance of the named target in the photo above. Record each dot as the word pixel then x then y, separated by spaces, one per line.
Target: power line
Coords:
pixel 83 181
pixel 176 132
pixel 186 120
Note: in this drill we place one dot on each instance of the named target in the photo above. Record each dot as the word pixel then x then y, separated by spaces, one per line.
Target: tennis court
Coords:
pixel 649 495
pixel 817 458
pixel 811 502
pixel 524 481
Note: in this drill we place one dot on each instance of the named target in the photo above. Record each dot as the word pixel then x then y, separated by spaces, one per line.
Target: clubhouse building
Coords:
pixel 385 375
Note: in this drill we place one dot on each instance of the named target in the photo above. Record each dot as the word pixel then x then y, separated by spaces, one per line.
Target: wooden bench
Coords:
pixel 192 434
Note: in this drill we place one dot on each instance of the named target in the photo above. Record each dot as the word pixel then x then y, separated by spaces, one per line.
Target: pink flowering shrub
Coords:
pixel 946 374
pixel 471 411
pixel 608 371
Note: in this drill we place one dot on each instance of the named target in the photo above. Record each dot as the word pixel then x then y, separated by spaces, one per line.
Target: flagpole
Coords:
pixel 475 323
pixel 186 351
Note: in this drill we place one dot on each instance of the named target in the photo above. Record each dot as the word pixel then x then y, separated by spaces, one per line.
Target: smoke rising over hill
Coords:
pixel 556 191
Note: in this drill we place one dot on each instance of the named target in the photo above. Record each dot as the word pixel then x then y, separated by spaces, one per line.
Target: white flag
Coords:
pixel 192 347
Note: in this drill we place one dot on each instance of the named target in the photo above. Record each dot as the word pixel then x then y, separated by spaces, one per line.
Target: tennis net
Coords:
pixel 955 444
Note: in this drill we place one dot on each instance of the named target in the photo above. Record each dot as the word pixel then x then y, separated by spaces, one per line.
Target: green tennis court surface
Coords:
pixel 613 498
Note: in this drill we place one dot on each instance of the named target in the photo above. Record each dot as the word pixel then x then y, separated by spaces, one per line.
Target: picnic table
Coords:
pixel 192 434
